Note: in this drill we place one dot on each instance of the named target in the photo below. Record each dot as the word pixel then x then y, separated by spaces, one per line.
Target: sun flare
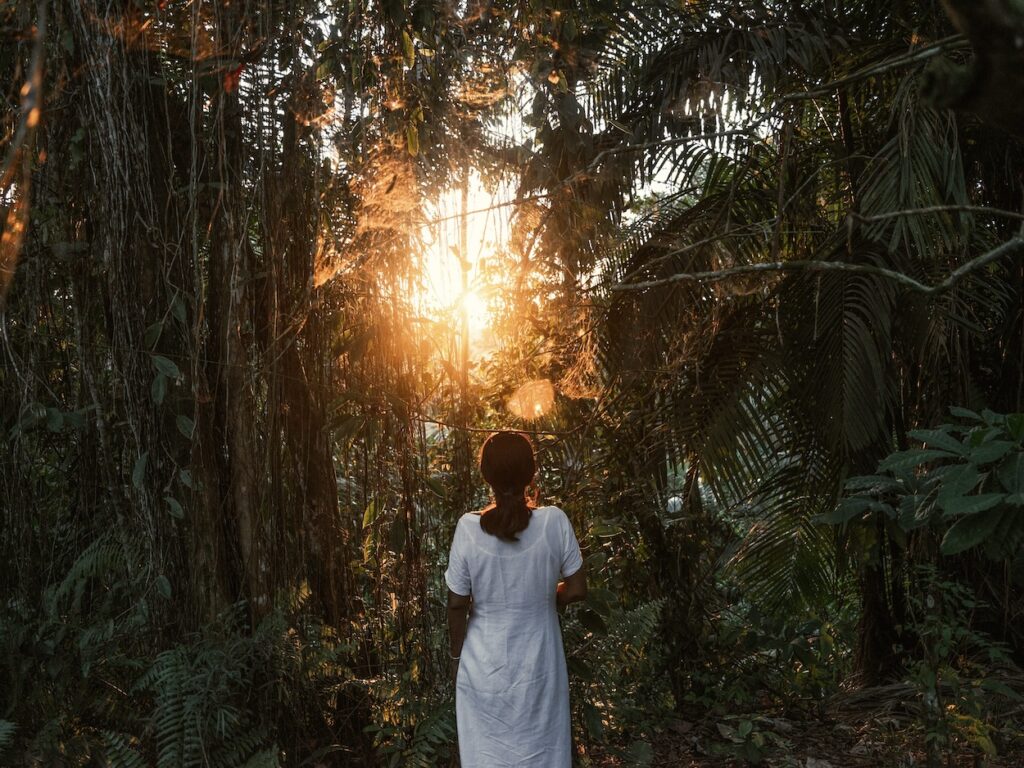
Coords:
pixel 476 310
pixel 455 286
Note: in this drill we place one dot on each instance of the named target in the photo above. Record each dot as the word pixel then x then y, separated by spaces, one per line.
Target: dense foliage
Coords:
pixel 767 254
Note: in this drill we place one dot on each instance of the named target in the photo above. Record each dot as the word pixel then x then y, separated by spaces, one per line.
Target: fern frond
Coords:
pixel 121 750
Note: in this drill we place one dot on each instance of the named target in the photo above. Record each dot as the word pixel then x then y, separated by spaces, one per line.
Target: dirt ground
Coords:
pixel 881 740
pixel 818 744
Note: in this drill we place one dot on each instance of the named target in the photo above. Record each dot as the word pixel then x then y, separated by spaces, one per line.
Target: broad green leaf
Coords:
pixel 592 720
pixel 1015 425
pixel 139 470
pixel 595 561
pixel 185 425
pixel 964 413
pixel 408 49
pixel 179 310
pixel 569 29
pixel 158 390
pixel 752 751
pixel 958 481
pixel 992 418
pixel 1011 473
pixel 970 531
pixel 603 529
pixel 175 507
pixel 412 139
pixel 908 459
pixel 852 507
pixel 937 438
pixel 602 600
pixel 981 435
pixel 166 366
pixel 971 505
pixel 984 743
pixel 54 420
pixel 152 334
pixel 991 451
pixel 370 513
pixel 914 512
pixel 163 587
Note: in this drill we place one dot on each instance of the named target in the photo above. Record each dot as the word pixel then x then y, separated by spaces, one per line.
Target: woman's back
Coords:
pixel 513 639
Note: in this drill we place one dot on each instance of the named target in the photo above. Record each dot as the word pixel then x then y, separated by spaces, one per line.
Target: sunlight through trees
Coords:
pixel 749 274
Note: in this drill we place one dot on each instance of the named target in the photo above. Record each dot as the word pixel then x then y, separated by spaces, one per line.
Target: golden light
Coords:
pixel 453 283
pixel 533 399
pixel 477 313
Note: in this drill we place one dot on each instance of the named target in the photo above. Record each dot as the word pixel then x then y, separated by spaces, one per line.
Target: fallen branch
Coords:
pixel 1011 247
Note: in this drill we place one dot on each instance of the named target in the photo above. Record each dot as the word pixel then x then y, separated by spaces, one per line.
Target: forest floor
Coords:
pixel 851 735
pixel 814 744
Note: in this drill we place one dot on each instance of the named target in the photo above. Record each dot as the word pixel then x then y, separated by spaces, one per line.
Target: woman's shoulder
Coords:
pixel 551 512
pixel 551 509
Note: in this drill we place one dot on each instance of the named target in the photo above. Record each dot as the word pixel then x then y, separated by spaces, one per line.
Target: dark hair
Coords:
pixel 508 465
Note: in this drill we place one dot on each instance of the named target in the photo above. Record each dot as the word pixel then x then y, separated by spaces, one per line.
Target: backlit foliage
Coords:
pixel 239 417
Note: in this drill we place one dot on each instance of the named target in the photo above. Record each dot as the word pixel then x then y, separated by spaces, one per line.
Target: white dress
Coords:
pixel 512 690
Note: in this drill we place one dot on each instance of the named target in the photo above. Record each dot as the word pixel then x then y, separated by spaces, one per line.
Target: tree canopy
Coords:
pixel 749 273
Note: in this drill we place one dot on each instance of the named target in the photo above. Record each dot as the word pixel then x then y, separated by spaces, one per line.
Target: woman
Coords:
pixel 515 564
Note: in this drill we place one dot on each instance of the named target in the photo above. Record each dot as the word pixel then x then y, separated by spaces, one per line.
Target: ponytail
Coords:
pixel 509 514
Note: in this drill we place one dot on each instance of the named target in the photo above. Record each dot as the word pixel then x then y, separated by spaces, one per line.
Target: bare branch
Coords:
pixel 921 54
pixel 980 209
pixel 1010 248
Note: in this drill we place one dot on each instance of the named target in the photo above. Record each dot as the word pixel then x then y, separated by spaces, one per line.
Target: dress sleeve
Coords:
pixel 572 559
pixel 457 576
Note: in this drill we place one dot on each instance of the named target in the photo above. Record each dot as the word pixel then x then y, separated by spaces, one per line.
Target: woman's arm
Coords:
pixel 572 589
pixel 458 619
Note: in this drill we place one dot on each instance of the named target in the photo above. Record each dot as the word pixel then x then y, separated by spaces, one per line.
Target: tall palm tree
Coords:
pixel 786 138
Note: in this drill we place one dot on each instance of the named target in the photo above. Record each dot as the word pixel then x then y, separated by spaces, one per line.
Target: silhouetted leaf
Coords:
pixel 185 425
pixel 970 531
pixel 175 507
pixel 139 471
pixel 166 366
pixel 163 587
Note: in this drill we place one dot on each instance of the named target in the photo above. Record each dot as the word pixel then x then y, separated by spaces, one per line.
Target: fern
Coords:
pixel 612 666
pixel 197 718
pixel 100 558
pixel 122 751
